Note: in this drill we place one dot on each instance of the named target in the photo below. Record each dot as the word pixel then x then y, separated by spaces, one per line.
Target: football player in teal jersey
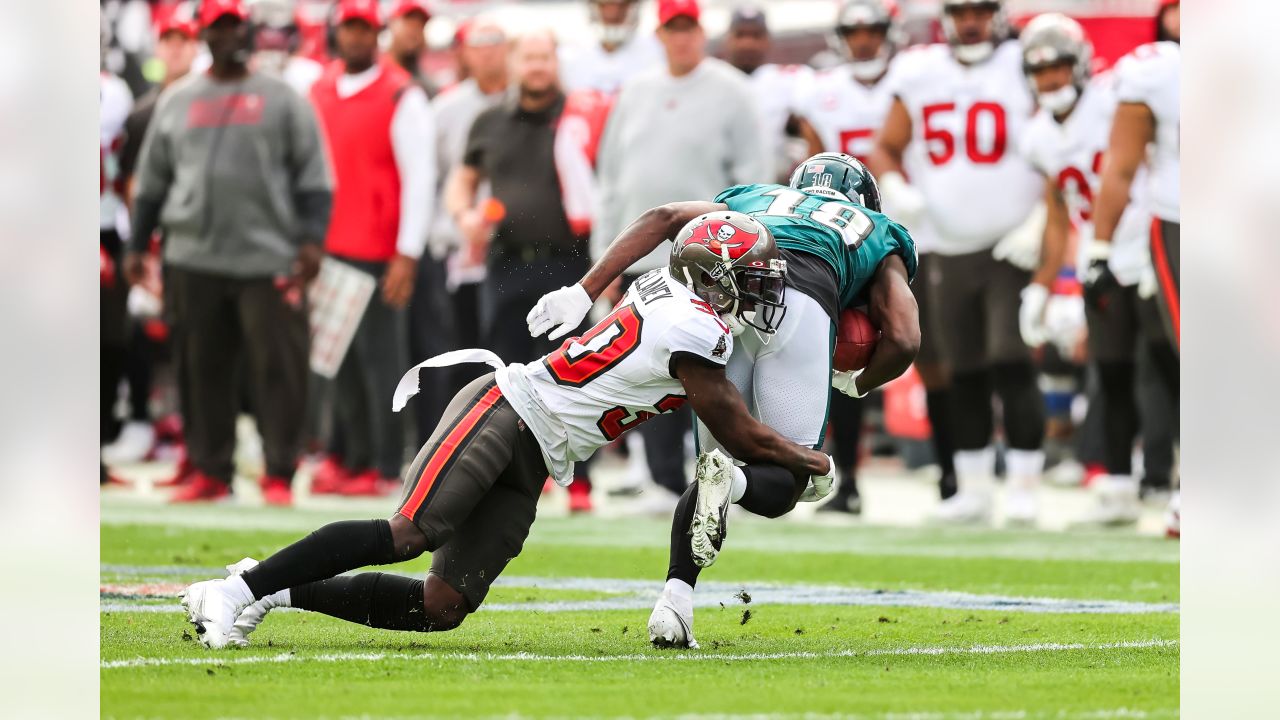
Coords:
pixel 840 251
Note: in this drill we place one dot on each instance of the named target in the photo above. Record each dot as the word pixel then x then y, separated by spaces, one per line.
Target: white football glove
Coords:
pixel 1021 247
pixel 846 382
pixel 904 201
pixel 562 309
pixel 820 486
pixel 1035 297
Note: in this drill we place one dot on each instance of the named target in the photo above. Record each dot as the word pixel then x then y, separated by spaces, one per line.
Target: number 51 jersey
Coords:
pixel 617 374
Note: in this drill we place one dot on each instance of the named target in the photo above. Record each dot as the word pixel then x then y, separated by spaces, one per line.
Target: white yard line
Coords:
pixel 640 594
pixel 221 658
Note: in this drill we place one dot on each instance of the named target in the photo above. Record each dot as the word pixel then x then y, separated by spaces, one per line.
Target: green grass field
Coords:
pixel 851 620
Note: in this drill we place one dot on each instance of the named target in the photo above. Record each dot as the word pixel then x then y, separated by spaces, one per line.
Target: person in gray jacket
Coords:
pixel 683 130
pixel 233 171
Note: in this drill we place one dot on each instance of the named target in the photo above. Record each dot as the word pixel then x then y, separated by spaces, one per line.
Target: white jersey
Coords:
pixel 114 103
pixel 591 67
pixel 1150 75
pixel 1070 154
pixel 301 73
pixel 968 119
pixel 845 113
pixel 617 374
pixel 777 90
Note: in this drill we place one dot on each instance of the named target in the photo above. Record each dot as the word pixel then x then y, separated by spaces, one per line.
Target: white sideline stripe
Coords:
pixel 216 659
pixel 640 594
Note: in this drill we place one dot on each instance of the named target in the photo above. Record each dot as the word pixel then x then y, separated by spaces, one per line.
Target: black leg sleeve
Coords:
pixel 1120 417
pixel 970 416
pixel 771 490
pixel 938 405
pixel 379 600
pixel 682 566
pixel 331 550
pixel 1015 384
pixel 846 432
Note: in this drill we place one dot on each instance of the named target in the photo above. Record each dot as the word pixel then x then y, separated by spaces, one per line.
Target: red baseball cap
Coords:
pixel 404 7
pixel 669 10
pixel 366 10
pixel 211 10
pixel 176 18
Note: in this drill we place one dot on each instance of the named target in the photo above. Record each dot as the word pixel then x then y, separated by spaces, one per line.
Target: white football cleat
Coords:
pixel 1173 517
pixel 963 508
pixel 669 627
pixel 1116 503
pixel 714 476
pixel 1021 506
pixel 134 443
pixel 212 608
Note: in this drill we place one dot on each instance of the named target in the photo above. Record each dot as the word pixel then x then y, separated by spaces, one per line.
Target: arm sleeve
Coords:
pixel 135 128
pixel 413 141
pixel 154 176
pixel 732 192
pixel 309 168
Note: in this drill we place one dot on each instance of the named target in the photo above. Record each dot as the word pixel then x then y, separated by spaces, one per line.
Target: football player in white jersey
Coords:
pixel 846 105
pixel 472 493
pixel 968 103
pixel 777 88
pixel 616 52
pixel 1066 142
pixel 1145 132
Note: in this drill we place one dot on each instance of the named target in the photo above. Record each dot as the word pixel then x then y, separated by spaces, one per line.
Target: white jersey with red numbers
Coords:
pixel 1150 75
pixel 777 90
pixel 845 113
pixel 617 374
pixel 114 103
pixel 968 118
pixel 590 67
pixel 1070 154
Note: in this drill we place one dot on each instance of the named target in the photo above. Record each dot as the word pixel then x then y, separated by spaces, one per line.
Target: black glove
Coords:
pixel 1098 281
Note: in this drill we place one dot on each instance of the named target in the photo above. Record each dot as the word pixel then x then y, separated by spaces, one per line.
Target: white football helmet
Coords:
pixel 855 14
pixel 974 52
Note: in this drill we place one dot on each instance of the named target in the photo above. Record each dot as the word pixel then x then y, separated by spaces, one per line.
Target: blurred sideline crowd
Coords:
pixel 301 198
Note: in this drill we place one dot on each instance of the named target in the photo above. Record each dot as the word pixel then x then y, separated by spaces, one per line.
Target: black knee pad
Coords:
pixel 972 420
pixel 1023 403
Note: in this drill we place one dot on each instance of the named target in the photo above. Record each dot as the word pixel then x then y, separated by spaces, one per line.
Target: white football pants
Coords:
pixel 786 383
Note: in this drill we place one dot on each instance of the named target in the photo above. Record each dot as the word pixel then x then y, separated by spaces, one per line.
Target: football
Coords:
pixel 856 339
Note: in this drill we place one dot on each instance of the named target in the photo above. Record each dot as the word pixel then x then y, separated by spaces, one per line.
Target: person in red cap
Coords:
pixel 687 128
pixel 175 49
pixel 380 134
pixel 408 26
pixel 233 169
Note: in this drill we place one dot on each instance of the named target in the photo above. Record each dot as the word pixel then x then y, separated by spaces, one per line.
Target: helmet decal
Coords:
pixel 723 239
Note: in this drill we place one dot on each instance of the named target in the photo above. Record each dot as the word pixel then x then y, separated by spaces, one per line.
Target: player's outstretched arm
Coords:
pixel 640 238
pixel 723 411
pixel 893 309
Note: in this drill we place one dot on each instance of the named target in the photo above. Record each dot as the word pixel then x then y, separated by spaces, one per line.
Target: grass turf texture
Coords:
pixel 544 664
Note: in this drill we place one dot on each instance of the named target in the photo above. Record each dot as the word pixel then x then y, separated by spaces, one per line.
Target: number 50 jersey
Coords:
pixel 849 237
pixel 617 374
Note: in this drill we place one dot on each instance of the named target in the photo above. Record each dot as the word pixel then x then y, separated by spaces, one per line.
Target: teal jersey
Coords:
pixel 849 237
